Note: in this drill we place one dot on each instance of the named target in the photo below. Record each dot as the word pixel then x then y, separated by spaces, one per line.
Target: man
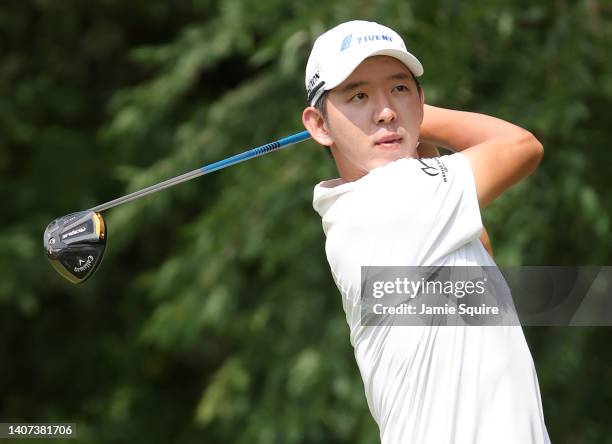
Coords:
pixel 424 384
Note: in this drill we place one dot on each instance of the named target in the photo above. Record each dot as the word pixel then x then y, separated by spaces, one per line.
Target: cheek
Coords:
pixel 414 117
pixel 349 118
pixel 345 127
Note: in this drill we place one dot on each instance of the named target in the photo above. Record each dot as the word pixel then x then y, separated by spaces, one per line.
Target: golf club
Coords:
pixel 75 243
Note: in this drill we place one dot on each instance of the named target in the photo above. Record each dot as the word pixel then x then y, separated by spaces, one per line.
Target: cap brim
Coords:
pixel 411 62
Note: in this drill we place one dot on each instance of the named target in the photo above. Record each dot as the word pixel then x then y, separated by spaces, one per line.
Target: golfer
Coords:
pixel 423 384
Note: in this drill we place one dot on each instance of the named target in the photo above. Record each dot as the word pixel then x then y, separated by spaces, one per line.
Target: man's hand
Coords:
pixel 500 153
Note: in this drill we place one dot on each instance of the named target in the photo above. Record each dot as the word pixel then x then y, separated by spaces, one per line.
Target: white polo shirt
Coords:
pixel 430 384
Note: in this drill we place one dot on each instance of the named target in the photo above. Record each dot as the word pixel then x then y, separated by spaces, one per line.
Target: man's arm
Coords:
pixel 429 150
pixel 500 153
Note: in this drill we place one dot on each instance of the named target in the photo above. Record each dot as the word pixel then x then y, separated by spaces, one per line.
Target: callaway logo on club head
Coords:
pixel 84 264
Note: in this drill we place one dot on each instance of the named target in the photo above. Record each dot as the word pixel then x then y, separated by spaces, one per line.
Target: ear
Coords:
pixel 315 124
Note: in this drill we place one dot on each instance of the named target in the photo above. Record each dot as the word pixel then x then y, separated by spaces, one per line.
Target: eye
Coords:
pixel 358 97
pixel 401 88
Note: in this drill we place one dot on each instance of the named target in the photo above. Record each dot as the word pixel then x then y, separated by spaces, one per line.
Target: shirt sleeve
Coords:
pixel 450 205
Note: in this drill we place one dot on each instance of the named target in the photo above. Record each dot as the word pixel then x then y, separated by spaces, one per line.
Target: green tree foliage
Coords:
pixel 214 317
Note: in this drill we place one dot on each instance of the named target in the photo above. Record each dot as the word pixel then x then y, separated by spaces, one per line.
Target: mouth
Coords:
pixel 389 142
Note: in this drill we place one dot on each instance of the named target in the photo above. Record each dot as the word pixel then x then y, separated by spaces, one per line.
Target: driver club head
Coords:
pixel 75 244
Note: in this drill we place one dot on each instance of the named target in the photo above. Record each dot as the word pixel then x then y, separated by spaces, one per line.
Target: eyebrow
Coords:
pixel 354 85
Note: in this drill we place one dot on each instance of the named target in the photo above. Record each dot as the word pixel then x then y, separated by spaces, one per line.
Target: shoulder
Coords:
pixel 397 179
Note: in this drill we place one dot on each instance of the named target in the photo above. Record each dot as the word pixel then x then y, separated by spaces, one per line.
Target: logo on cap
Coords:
pixel 312 82
pixel 348 40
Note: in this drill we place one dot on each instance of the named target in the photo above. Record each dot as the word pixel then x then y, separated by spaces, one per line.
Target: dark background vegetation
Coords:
pixel 214 317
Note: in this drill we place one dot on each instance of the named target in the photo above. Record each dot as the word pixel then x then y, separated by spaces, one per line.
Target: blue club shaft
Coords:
pixel 246 155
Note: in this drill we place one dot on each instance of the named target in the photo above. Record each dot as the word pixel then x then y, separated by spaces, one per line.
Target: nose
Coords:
pixel 386 115
pixel 385 111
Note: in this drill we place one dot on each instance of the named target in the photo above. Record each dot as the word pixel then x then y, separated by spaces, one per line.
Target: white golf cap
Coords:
pixel 339 51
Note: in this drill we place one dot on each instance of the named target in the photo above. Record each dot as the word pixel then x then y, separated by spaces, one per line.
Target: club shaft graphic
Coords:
pixel 233 160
